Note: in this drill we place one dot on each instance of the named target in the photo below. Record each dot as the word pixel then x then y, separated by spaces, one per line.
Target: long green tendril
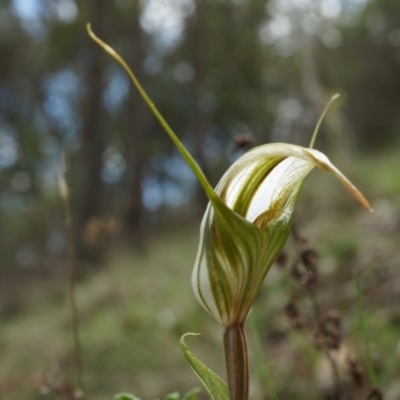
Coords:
pixel 186 155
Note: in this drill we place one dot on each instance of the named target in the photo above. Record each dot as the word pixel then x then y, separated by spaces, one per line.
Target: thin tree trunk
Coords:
pixel 137 122
pixel 93 140
pixel 198 120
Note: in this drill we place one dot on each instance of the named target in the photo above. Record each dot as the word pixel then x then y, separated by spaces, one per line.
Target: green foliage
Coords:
pixel 191 395
pixel 125 396
pixel 172 396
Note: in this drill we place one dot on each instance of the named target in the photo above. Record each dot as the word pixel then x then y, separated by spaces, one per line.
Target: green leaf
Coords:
pixel 192 394
pixel 215 386
pixel 172 396
pixel 125 396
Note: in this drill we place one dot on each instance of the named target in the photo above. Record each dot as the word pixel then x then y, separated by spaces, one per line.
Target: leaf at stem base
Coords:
pixel 216 387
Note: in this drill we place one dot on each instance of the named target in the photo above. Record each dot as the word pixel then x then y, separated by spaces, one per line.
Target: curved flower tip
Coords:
pixel 244 229
pixel 323 162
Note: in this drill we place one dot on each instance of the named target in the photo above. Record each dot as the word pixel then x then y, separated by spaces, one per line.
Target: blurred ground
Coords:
pixel 134 310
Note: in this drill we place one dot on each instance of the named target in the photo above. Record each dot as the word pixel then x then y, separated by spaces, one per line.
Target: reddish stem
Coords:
pixel 237 362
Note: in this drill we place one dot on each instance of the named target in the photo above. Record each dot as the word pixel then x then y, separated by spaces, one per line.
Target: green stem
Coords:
pixel 185 154
pixel 237 362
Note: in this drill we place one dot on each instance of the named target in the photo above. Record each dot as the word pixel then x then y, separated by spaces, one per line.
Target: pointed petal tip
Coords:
pixel 322 161
pixel 366 205
pixel 359 196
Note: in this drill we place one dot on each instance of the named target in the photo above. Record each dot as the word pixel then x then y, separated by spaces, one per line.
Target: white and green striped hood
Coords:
pixel 246 225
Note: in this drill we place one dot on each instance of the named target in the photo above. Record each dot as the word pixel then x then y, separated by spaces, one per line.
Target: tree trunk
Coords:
pixel 137 122
pixel 93 140
pixel 198 121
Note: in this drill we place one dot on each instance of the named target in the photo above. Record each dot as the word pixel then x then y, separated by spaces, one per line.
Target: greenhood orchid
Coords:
pixel 245 226
pixel 248 218
pixel 244 230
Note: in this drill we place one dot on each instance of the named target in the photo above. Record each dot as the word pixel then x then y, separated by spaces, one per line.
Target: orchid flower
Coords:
pixel 245 226
pixel 244 230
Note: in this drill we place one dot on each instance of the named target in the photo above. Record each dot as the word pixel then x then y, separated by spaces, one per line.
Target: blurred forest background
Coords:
pixel 221 72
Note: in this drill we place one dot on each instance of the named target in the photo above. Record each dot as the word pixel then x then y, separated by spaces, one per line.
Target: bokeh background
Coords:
pixel 225 74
